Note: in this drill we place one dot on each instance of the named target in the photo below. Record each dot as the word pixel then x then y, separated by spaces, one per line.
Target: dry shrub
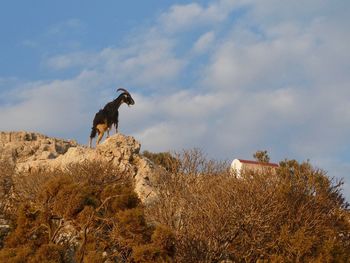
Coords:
pixel 165 159
pixel 27 185
pixel 130 228
pixel 93 256
pixel 27 229
pixel 6 186
pixel 6 183
pixel 194 162
pixel 139 241
pixel 96 200
pixel 161 249
pixel 48 253
pixel 68 198
pixel 124 197
pixel 16 255
pixel 191 161
pixel 294 215
pixel 164 238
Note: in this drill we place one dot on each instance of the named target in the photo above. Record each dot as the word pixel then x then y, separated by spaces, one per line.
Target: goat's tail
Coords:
pixel 93 132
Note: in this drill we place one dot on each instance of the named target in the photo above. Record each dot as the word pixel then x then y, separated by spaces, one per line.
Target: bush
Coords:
pixel 295 214
pixel 16 255
pixel 161 249
pixel 94 201
pixel 48 253
pixel 164 159
pixel 6 184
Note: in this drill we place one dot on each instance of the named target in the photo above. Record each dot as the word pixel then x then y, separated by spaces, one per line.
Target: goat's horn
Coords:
pixel 121 89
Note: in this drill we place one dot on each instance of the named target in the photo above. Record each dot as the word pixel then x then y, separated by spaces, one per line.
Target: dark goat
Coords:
pixel 106 117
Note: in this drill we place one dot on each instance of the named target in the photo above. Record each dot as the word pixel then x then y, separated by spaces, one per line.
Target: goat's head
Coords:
pixel 126 97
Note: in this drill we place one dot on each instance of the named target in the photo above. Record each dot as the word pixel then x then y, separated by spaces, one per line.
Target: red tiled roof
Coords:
pixel 258 163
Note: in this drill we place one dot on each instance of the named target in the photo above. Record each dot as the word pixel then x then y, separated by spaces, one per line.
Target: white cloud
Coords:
pixel 181 16
pixel 204 42
pixel 61 62
pixel 44 107
pixel 54 107
pixel 147 59
pixel 186 17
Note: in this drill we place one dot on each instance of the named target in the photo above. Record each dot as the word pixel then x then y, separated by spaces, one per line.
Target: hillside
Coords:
pixel 64 202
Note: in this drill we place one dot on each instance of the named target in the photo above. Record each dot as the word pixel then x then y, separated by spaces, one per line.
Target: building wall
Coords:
pixel 237 167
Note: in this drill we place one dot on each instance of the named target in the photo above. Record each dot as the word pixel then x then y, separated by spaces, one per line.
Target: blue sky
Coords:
pixel 228 76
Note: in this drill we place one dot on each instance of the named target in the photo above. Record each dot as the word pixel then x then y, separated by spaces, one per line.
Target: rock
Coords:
pixel 21 147
pixel 33 151
pixel 145 179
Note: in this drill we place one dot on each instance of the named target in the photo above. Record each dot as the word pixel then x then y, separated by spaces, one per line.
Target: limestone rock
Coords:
pixel 33 151
pixel 21 147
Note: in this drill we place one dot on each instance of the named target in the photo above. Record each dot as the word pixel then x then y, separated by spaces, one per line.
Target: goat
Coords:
pixel 106 117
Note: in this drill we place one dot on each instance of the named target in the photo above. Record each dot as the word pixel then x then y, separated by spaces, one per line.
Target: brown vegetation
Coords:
pixel 294 215
pixel 90 213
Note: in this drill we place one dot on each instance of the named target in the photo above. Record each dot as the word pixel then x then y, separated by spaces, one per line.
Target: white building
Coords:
pixel 239 165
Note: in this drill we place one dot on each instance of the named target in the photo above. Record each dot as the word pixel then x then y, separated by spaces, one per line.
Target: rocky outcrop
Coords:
pixel 32 151
pixel 20 147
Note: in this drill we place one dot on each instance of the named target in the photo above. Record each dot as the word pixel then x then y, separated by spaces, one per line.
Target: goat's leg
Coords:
pixel 99 138
pixel 101 128
pixel 116 127
pixel 92 135
pixel 108 129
